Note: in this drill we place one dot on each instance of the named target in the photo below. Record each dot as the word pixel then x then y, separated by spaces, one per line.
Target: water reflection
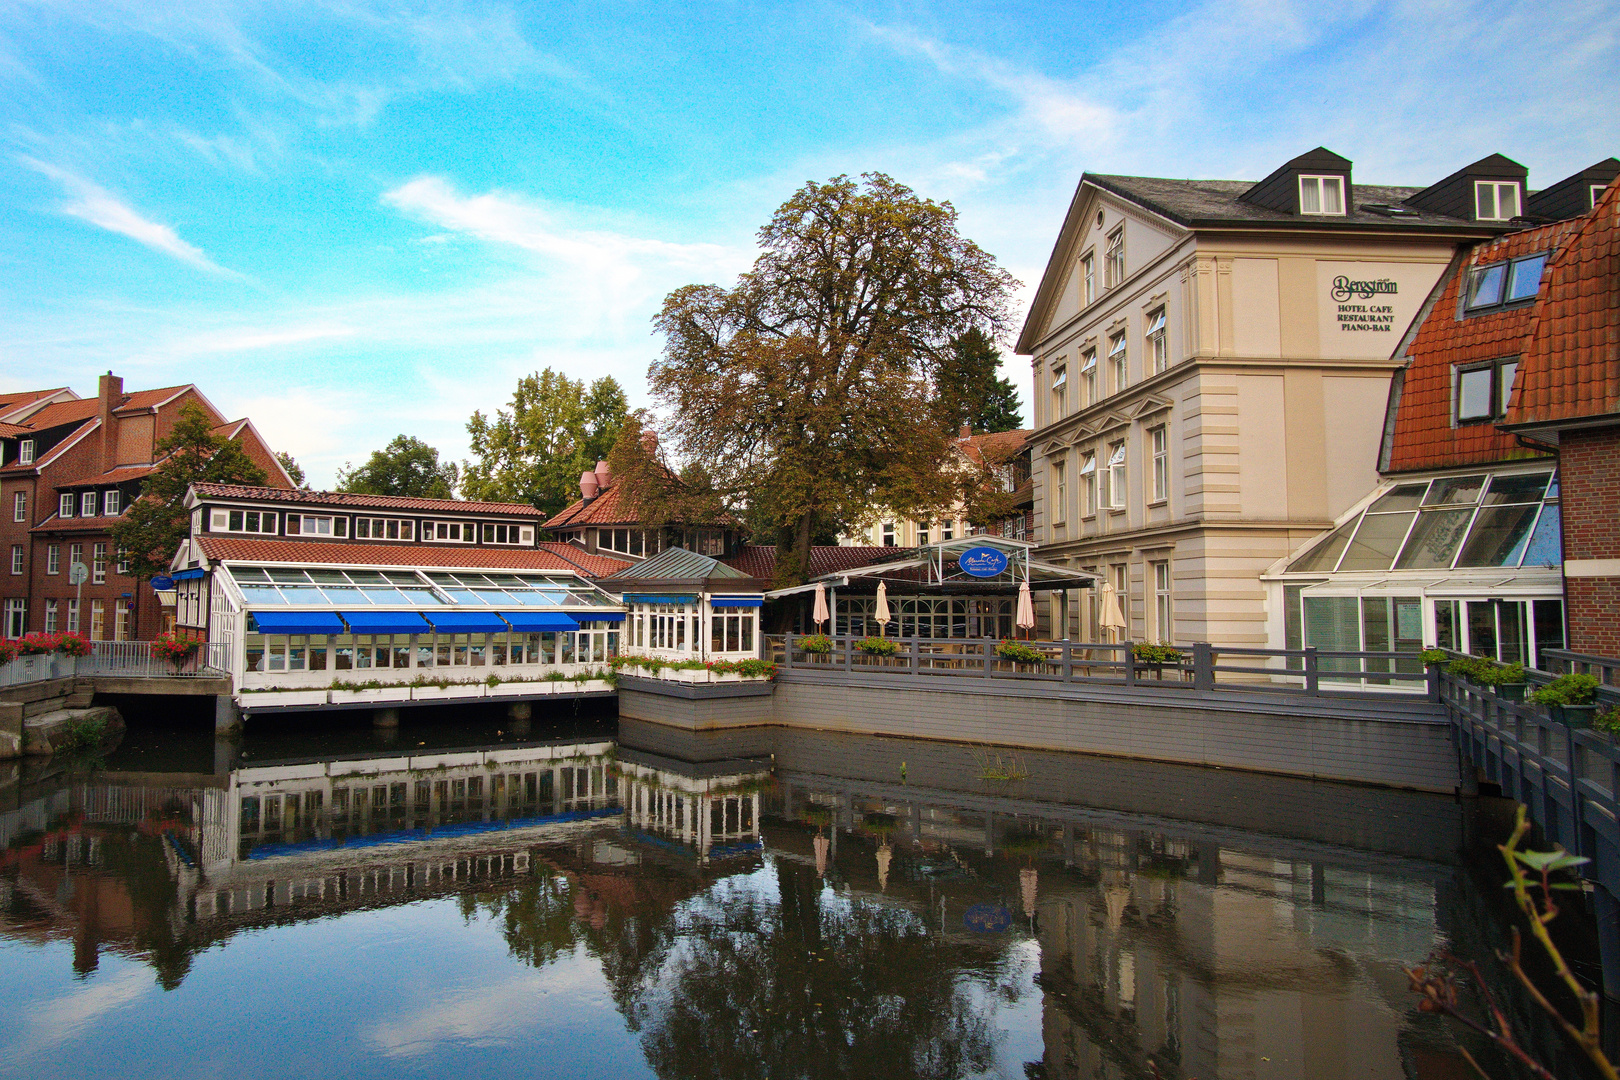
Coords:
pixel 829 913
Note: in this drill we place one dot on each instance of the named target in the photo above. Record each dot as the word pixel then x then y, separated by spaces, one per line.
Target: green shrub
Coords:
pixel 1156 653
pixel 1571 689
pixel 80 733
pixel 1017 651
pixel 878 646
pixel 1607 720
pixel 816 643
pixel 1433 657
pixel 1486 672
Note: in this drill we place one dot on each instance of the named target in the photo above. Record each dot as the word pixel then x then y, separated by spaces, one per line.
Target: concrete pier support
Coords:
pixel 227 717
pixel 520 710
pixel 385 718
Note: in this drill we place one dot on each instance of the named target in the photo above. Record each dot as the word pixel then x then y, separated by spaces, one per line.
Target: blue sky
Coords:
pixel 349 221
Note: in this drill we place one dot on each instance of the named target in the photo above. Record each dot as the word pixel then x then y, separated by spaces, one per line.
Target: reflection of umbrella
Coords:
pixel 884 854
pixel 1027 878
pixel 821 855
pixel 882 612
pixel 1115 897
pixel 1112 618
pixel 1026 609
pixel 818 614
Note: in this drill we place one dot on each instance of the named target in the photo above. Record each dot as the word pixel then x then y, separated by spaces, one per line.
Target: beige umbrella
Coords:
pixel 882 612
pixel 1026 609
pixel 818 614
pixel 1112 618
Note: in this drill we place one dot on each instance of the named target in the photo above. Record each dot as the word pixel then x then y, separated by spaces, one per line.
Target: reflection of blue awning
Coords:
pixel 386 622
pixel 736 601
pixel 533 621
pixel 297 622
pixel 466 622
pixel 660 598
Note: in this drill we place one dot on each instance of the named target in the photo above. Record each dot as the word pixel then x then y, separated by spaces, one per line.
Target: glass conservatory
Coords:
pixel 687 606
pixel 1464 561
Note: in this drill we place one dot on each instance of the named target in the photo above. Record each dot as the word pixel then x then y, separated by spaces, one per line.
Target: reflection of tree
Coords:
pixel 537 917
pixel 742 986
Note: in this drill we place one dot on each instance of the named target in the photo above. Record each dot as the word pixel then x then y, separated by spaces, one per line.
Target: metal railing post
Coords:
pixel 1068 662
pixel 989 657
pixel 916 649
pixel 1203 666
pixel 849 650
pixel 1313 671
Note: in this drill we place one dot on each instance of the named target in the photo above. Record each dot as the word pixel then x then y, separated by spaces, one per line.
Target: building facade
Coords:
pixel 69 468
pixel 1212 362
pixel 1004 455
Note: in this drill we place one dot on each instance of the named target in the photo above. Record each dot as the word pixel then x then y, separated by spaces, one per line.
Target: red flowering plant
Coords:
pixel 8 651
pixel 36 644
pixel 72 644
pixel 173 648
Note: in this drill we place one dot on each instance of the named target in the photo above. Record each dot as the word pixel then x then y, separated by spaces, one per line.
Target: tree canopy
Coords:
pixel 972 390
pixel 534 450
pixel 156 524
pixel 294 470
pixel 806 390
pixel 406 466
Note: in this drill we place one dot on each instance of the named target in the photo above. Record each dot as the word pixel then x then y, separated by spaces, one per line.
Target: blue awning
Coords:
pixel 189 574
pixel 599 616
pixel 386 622
pixel 660 598
pixel 466 622
pixel 532 621
pixel 736 601
pixel 297 622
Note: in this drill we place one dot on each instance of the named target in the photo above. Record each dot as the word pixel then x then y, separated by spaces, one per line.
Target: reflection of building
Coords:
pixel 1212 360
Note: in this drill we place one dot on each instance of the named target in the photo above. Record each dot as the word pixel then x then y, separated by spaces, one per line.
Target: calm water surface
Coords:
pixel 611 899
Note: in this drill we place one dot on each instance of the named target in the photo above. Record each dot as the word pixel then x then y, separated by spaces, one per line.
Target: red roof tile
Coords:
pixel 253 549
pixel 1571 369
pixel 759 560
pixel 1424 436
pixel 55 524
pixel 611 507
pixel 370 502
pixel 994 447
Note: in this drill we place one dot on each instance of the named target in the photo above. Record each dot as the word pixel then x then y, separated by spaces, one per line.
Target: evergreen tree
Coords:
pixel 406 466
pixel 156 524
pixel 970 389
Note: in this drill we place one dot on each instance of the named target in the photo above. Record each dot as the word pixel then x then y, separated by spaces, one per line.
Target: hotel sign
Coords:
pixel 982 561
pixel 1379 318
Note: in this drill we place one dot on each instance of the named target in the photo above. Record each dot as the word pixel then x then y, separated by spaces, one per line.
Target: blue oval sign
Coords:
pixel 983 561
pixel 162 583
pixel 987 918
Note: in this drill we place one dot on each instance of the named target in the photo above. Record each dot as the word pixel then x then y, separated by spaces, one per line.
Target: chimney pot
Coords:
pixel 588 487
pixel 604 476
pixel 967 432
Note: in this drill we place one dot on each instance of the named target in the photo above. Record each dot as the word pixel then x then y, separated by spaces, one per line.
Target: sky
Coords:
pixel 351 221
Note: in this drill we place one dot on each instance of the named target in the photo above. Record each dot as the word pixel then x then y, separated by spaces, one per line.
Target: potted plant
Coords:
pixel 1570 699
pixel 1155 657
pixel 1505 680
pixel 1019 653
pixel 1432 658
pixel 1607 721
pixel 878 646
pixel 176 650
pixel 817 645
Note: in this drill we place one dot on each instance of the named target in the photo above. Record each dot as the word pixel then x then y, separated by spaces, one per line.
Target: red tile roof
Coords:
pixel 55 524
pixel 370 502
pixel 612 506
pixel 253 549
pixel 759 560
pixel 1423 436
pixel 1571 369
pixel 994 447
pixel 9 402
pixel 58 413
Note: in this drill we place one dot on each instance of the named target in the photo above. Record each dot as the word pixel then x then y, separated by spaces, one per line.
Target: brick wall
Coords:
pixel 1589 475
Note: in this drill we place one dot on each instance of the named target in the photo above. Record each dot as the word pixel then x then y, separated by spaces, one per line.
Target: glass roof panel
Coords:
pixel 307 594
pixel 328 577
pixel 1498 536
pixel 1376 541
pixel 1324 556
pixel 399 578
pixel 384 596
pixel 493 596
pixel 512 581
pixel 282 575
pixel 1401 497
pixel 536 598
pixel 261 594
pixel 249 573
pixel 367 577
pixel 1434 539
pixel 1517 489
pixel 1546 547
pixel 1455 491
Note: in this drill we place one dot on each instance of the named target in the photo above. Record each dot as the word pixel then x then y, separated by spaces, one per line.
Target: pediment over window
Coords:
pixel 1111 421
pixel 1147 406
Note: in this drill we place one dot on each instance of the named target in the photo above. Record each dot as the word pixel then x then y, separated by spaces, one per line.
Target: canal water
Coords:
pixel 589 896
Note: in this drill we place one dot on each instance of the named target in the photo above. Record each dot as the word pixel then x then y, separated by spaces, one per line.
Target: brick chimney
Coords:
pixel 109 395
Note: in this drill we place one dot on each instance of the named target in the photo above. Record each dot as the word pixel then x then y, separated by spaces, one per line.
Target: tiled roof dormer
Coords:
pixel 1460 195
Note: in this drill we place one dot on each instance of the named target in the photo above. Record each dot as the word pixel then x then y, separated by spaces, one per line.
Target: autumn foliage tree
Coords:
pixel 156 524
pixel 806 390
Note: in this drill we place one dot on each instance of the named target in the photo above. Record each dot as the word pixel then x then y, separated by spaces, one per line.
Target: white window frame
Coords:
pixel 449 532
pixel 120 620
pixel 19 556
pixel 1060 491
pixel 16 618
pixel 53 559
pixel 1060 391
pixel 366 528
pixel 1314 189
pixel 1088 277
pixel 1114 258
pixel 1158 341
pixel 25 451
pixel 73 616
pixel 237 521
pixel 1496 189
pixel 50 616
pixel 886 534
pixel 1119 358
pixel 112 502
pixel 336 525
pixel 98 620
pixel 19 506
pixel 1088 479
pixel 1164 617
pixel 1159 439
pixel 1116 475
pixel 98 564
pixel 65 504
pixel 506 534
pixel 1088 377
pixel 87 503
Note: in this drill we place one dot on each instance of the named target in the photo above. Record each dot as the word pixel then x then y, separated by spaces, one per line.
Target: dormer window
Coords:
pixel 1500 284
pixel 1597 193
pixel 25 452
pixel 1496 200
pixel 1321 194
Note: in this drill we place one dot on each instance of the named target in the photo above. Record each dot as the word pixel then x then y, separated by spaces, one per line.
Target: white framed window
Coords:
pixel 25 449
pixel 384 529
pixel 1596 193
pixel 1118 362
pixel 120 620
pixel 922 533
pixel 1060 391
pixel 1158 345
pixel 98 565
pixel 451 532
pixel 1060 491
pixel 123 561
pixel 1088 378
pixel 262 522
pixel 73 617
pixel 75 554
pixel 1115 258
pixel 316 525
pixel 1321 194
pixel 1496 200
pixel 50 616
pixel 64 505
pixel 1163 603
pixel 1483 390
pixel 1161 463
pixel 624 541
pixel 17 557
pixel 1088 278
pixel 1088 484
pixel 887 534
pixel 53 558
pixel 98 620
pixel 947 530
pixel 87 504
pixel 501 533
pixel 16 618
pixel 19 506
pixel 1116 475
pixel 111 502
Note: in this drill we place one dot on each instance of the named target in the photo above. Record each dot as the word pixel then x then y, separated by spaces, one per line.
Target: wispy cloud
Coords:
pixel 100 207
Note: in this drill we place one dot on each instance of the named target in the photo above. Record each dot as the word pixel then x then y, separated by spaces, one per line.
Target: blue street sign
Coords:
pixel 983 561
pixel 162 583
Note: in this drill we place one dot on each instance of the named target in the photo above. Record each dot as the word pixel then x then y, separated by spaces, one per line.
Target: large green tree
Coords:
pixel 807 389
pixel 406 466
pixel 294 470
pixel 971 390
pixel 534 450
pixel 156 524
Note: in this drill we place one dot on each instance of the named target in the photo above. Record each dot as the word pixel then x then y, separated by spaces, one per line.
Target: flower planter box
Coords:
pixel 448 693
pixel 1575 716
pixel 1510 691
pixel 284 698
pixel 520 689
pixel 360 697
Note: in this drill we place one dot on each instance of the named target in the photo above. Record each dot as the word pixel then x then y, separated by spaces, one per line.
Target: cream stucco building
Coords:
pixel 1212 361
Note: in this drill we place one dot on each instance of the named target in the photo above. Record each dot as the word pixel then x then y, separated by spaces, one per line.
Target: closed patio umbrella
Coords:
pixel 1111 617
pixel 1026 609
pixel 818 614
pixel 882 612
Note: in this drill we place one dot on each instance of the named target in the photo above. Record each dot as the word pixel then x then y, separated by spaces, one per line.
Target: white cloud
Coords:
pixel 50 1023
pixel 101 208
